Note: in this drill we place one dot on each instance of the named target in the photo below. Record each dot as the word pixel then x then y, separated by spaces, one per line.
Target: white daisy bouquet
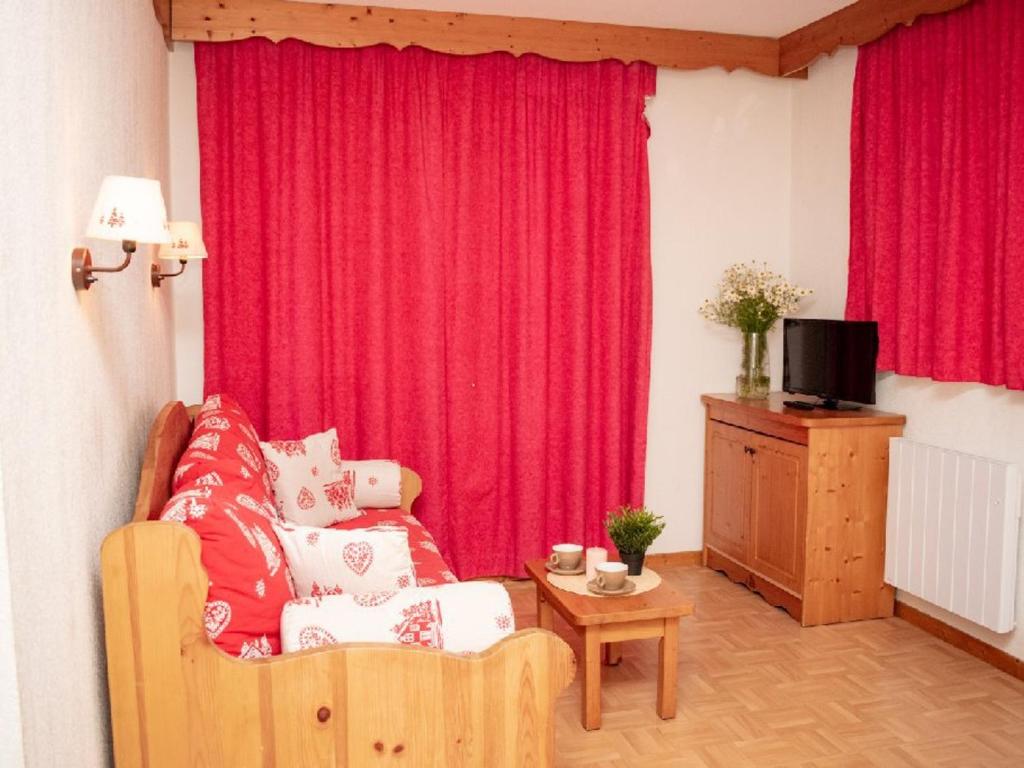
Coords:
pixel 752 298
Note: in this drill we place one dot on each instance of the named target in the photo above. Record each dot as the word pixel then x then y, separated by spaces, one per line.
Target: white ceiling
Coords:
pixel 772 18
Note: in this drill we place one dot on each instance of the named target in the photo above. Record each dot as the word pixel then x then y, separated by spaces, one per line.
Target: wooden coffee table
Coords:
pixel 610 620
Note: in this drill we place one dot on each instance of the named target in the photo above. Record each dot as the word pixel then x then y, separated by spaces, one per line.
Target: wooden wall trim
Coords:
pixel 349 26
pixel 856 24
pixel 674 559
pixel 353 26
pixel 162 11
pixel 999 659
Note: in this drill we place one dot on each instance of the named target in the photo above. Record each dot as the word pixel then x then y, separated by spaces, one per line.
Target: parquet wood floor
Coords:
pixel 757 690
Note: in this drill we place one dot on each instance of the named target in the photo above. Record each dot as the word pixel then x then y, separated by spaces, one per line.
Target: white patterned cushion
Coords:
pixel 310 486
pixel 378 483
pixel 461 618
pixel 328 561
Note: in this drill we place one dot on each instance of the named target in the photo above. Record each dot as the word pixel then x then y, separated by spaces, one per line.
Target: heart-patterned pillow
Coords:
pixel 328 561
pixel 358 556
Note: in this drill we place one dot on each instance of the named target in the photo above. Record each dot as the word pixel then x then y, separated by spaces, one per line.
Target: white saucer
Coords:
pixel 627 588
pixel 574 572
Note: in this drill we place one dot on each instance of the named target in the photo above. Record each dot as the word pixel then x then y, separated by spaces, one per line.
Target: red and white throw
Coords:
pixel 460 618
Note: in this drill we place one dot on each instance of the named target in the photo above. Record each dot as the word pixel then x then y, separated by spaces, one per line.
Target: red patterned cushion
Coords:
pixel 249 581
pixel 430 567
pixel 224 449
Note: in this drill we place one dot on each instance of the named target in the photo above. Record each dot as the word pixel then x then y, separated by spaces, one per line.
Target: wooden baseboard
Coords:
pixel 669 559
pixel 1001 660
pixel 772 593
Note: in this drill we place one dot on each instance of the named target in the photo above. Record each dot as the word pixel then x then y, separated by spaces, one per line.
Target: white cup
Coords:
pixel 566 557
pixel 611 576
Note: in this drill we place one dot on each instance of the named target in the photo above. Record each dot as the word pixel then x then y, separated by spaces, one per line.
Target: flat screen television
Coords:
pixel 831 359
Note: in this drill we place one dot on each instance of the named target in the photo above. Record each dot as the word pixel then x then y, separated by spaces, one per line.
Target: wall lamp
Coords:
pixel 129 209
pixel 186 244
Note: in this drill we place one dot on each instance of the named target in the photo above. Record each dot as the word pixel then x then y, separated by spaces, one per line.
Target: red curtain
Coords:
pixel 448 259
pixel 937 195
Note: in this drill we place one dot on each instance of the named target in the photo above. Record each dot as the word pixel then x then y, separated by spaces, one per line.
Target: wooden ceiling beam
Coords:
pixel 162 11
pixel 856 24
pixel 351 26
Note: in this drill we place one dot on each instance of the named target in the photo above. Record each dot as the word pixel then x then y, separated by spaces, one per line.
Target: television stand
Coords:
pixel 836 405
pixel 794 505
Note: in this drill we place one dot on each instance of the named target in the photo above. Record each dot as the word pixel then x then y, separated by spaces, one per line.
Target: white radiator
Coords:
pixel 952 531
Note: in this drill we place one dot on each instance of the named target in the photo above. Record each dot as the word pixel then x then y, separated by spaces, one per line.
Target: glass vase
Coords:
pixel 754 377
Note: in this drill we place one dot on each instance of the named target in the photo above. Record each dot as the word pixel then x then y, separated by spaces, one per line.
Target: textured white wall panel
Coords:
pixel 83 93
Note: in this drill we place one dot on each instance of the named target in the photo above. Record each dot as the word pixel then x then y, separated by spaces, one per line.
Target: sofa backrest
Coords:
pixel 168 439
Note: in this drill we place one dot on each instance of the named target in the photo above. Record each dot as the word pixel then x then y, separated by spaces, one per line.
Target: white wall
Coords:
pixel 10 708
pixel 83 94
pixel 969 417
pixel 820 211
pixel 187 290
pixel 720 166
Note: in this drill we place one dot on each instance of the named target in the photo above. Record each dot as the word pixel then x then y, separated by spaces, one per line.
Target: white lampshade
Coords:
pixel 129 208
pixel 186 242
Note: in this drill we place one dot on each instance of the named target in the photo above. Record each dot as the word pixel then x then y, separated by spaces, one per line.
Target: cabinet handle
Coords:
pixel 747 449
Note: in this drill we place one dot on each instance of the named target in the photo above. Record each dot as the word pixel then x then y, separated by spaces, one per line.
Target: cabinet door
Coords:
pixel 727 506
pixel 778 510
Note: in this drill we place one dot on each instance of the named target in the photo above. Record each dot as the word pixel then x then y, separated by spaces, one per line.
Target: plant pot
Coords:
pixel 635 562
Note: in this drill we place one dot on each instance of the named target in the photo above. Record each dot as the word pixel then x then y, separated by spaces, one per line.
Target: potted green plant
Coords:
pixel 633 530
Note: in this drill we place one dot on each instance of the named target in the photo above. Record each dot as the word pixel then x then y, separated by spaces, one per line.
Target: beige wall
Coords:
pixel 988 421
pixel 183 133
pixel 10 709
pixel 719 160
pixel 83 94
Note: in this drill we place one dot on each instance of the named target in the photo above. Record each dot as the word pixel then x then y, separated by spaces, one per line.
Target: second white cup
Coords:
pixel 611 576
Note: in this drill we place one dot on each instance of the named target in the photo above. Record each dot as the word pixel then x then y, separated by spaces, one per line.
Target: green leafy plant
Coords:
pixel 633 529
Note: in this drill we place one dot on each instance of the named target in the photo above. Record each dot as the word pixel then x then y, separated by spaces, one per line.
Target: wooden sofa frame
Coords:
pixel 177 700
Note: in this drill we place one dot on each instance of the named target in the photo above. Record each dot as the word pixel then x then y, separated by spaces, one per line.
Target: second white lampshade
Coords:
pixel 186 242
pixel 129 208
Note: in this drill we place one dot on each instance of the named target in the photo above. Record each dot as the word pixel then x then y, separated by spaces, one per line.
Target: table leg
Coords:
pixel 592 678
pixel 612 653
pixel 544 617
pixel 668 660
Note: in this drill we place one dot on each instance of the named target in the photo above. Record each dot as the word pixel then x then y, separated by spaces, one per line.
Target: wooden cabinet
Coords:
pixel 794 505
pixel 778 509
pixel 728 490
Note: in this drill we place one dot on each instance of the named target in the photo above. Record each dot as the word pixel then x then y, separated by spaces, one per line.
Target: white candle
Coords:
pixel 595 556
